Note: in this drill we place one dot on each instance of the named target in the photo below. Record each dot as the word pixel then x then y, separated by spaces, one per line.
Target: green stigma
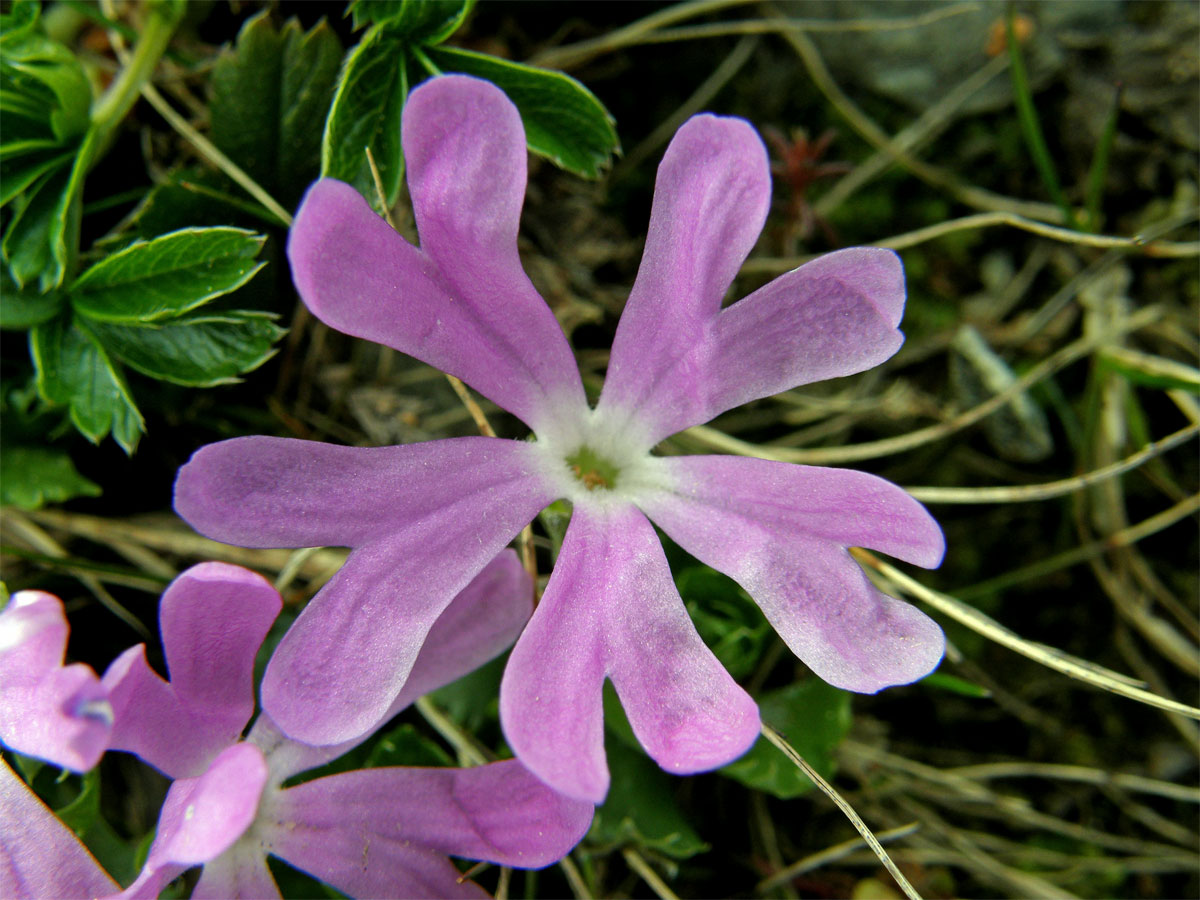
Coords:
pixel 594 471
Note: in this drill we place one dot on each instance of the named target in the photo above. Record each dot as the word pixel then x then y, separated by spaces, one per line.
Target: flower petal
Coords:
pixel 360 867
pixel 213 618
pixel 359 276
pixel 834 316
pixel 48 710
pixel 241 871
pixel 611 609
pixel 499 813
pixel 337 671
pixel 710 202
pixel 203 817
pixel 781 531
pixel 480 623
pixel 39 856
pixel 282 492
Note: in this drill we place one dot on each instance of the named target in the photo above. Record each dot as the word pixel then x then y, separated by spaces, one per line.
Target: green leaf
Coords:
pixel 81 813
pixel 641 810
pixel 37 67
pixel 21 310
pixel 19 172
pixel 727 619
pixel 564 121
pixel 196 351
pixel 1148 370
pixel 267 93
pixel 366 113
pixel 167 276
pixel 28 246
pixel 18 22
pixel 73 371
pixel 414 21
pixel 42 235
pixel 404 745
pixel 31 477
pixel 814 718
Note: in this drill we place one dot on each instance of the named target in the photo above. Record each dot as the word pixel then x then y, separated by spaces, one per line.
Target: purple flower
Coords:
pixel 39 856
pixel 48 710
pixel 422 519
pixel 372 832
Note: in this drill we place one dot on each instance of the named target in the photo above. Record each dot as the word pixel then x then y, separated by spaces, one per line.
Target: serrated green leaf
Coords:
pixel 564 121
pixel 39 67
pixel 28 241
pixel 200 351
pixel 641 809
pixel 73 371
pixel 814 718
pixel 31 477
pixel 366 113
pixel 168 276
pixel 413 21
pixel 22 170
pixel 266 94
pixel 20 310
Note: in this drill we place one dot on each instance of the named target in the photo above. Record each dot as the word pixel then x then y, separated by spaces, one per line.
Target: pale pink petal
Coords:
pixel 54 712
pixel 359 276
pixel 710 202
pixel 213 618
pixel 480 623
pixel 282 492
pixel 611 608
pixel 239 872
pixel 781 532
pixel 498 813
pixel 39 856
pixel 339 668
pixel 202 818
pixel 834 316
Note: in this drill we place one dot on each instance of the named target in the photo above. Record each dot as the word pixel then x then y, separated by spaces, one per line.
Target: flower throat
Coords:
pixel 595 472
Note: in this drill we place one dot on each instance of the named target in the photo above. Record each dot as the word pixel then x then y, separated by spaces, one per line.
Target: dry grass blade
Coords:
pixel 1138 783
pixel 1028 492
pixel 639 865
pixel 840 802
pixel 831 854
pixel 1081 347
pixel 1081 670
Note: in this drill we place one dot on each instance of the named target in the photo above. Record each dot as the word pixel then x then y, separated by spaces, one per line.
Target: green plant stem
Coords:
pixel 1099 169
pixel 162 16
pixel 1030 128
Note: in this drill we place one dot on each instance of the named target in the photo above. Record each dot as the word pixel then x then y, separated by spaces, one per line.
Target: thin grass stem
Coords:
pixel 847 810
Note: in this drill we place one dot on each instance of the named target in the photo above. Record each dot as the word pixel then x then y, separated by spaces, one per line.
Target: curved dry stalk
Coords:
pixel 768 265
pixel 1084 774
pixel 840 802
pixel 648 875
pixel 44 543
pixel 575 54
pixel 852 452
pixel 832 854
pixel 878 138
pixel 1052 658
pixel 1028 492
